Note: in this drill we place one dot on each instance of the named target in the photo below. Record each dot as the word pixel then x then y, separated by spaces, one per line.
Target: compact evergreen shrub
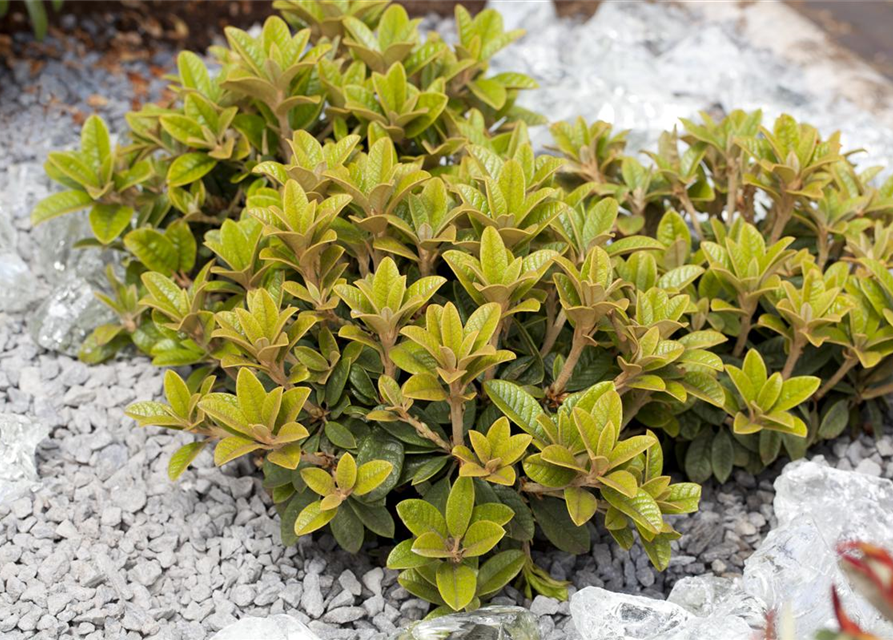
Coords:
pixel 393 303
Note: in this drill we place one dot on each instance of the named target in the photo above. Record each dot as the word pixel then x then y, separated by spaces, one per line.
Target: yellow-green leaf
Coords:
pixel 188 168
pixel 59 204
pixel 581 504
pixel 457 584
pixel 183 458
pixel 313 517
pixel 346 472
pixel 370 475
pixel 460 505
pixel 232 448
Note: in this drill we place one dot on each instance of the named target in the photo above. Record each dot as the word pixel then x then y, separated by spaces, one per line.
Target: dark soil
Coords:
pixel 148 23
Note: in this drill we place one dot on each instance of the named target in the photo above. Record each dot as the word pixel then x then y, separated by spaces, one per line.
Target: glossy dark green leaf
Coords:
pixel 553 519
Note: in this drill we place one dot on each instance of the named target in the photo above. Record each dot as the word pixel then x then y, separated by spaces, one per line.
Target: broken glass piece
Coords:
pixel 600 614
pixel 19 437
pixel 818 506
pixel 711 595
pixel 603 615
pixel 17 284
pixel 68 315
pixel 488 623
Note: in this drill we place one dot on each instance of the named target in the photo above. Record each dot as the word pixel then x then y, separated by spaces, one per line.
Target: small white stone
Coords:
pixel 349 582
pixel 869 467
pixel 885 447
pixel 242 595
pixel 544 606
pixel 67 530
pixel 372 579
pixel 278 627
pixel 22 508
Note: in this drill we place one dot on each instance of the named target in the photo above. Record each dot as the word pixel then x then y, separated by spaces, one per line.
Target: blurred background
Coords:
pixel 862 26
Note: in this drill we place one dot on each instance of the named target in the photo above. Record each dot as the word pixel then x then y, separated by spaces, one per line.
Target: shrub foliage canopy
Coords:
pixel 395 304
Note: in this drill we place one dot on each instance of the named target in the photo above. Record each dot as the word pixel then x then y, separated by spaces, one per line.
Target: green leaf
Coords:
pixel 233 447
pixel 722 455
pixel 340 436
pixel 481 537
pixel 348 530
pixel 492 511
pixel 183 240
pixel 521 526
pixel 552 516
pixel 403 557
pixel 183 458
pixel 59 204
pixel 457 584
pixel 835 420
pixel 107 221
pixel 287 524
pixel 494 260
pixel 313 518
pixel 37 14
pixel 370 476
pixel 518 406
pixel 622 481
pixel 658 550
pixel 632 244
pixel 318 480
pixel 460 505
pixel 755 370
pixel 682 497
pixel 251 395
pixel 71 165
pixel 188 168
pixel 182 128
pixel 150 410
pixel 346 472
pixel 165 295
pixel 499 570
pixel 153 250
pixel 177 393
pixel 626 450
pixel 420 517
pixel 581 504
pixel 514 187
pixel 194 74
pixel 489 91
pixel 796 391
pixel 379 446
pixel 770 445
pixel 412 581
pixel 377 519
pixel 698 457
pixel 95 143
pixel 769 394
pixel 424 386
pixel 642 509
pixel 431 545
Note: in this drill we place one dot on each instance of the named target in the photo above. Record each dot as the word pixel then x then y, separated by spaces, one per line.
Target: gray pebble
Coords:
pixel 348 581
pixel 311 599
pixel 544 606
pixel 372 579
pixel 869 467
